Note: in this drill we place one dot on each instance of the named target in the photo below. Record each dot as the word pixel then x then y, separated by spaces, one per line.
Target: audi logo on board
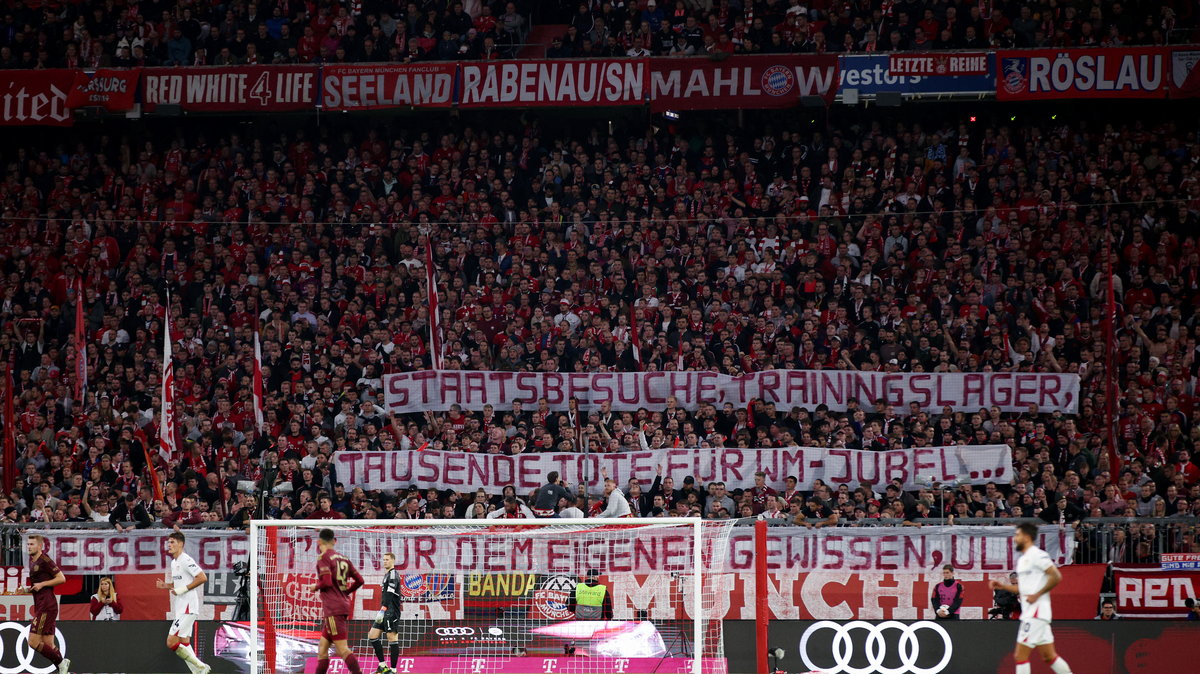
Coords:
pixel 14 646
pixel 455 631
pixel 889 647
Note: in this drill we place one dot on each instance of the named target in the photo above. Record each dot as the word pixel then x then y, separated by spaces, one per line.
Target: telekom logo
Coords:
pixel 405 665
pixel 620 665
pixel 477 664
pixel 549 665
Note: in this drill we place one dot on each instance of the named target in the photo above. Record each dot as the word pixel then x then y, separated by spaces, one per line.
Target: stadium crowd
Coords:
pixel 899 244
pixel 133 33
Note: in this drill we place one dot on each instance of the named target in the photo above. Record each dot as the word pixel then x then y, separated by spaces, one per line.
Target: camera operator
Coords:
pixel 1007 604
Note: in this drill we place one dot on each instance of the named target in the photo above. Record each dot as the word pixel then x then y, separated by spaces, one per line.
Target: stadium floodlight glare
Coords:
pixel 482 593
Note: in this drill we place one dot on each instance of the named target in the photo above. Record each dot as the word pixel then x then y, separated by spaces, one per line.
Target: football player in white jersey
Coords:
pixel 185 582
pixel 1036 577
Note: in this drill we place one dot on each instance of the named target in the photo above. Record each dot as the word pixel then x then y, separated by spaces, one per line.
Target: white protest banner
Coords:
pixel 437 390
pixel 735 467
pixel 891 549
pixel 506 549
pixel 140 551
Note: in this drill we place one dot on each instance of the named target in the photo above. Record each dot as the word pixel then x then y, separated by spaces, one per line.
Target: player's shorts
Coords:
pixel 544 512
pixel 1034 632
pixel 182 625
pixel 334 628
pixel 385 623
pixel 44 622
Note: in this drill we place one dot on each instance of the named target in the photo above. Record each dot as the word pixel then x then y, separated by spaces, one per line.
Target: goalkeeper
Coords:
pixel 388 619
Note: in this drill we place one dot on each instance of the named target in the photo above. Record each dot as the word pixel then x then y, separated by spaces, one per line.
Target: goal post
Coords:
pixel 492 596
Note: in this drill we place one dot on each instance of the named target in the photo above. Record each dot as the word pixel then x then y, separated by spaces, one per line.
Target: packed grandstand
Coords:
pixel 135 33
pixel 941 240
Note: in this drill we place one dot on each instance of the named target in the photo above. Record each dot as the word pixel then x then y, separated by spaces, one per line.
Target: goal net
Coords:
pixel 495 596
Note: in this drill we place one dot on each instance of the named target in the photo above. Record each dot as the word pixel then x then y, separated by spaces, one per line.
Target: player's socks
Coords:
pixel 377 646
pixel 322 665
pixel 51 653
pixel 1023 667
pixel 352 664
pixel 1060 666
pixel 184 652
pixel 394 652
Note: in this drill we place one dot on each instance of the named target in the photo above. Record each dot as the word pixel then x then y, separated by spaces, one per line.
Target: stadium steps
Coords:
pixel 538 40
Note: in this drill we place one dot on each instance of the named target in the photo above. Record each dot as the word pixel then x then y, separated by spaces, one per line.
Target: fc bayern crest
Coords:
pixel 419 586
pixel 778 80
pixel 551 599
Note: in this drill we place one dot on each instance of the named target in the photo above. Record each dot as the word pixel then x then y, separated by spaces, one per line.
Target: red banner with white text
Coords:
pixel 581 82
pixel 753 82
pixel 375 87
pixel 790 596
pixel 1045 74
pixel 872 595
pixel 36 97
pixel 1151 592
pixel 108 88
pixel 231 89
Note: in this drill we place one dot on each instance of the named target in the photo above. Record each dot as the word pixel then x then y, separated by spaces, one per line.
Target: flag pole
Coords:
pixel 257 381
pixel 80 348
pixel 435 317
pixel 1110 361
pixel 10 433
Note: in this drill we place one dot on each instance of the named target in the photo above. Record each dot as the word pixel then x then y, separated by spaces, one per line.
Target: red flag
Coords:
pixel 167 447
pixel 80 348
pixel 435 317
pixel 10 435
pixel 258 385
pixel 158 493
pixel 423 446
pixel 634 337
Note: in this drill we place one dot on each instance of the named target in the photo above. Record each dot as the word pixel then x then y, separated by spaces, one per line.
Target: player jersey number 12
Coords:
pixel 343 574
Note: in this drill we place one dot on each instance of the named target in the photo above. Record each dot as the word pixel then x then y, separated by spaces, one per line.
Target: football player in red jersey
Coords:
pixel 43 576
pixel 337 580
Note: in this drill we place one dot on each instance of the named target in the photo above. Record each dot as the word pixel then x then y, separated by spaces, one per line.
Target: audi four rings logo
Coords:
pixel 879 645
pixel 448 632
pixel 18 642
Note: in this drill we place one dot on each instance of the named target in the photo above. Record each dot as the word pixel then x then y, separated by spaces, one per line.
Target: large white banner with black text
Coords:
pixel 735 467
pixel 789 549
pixel 437 390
